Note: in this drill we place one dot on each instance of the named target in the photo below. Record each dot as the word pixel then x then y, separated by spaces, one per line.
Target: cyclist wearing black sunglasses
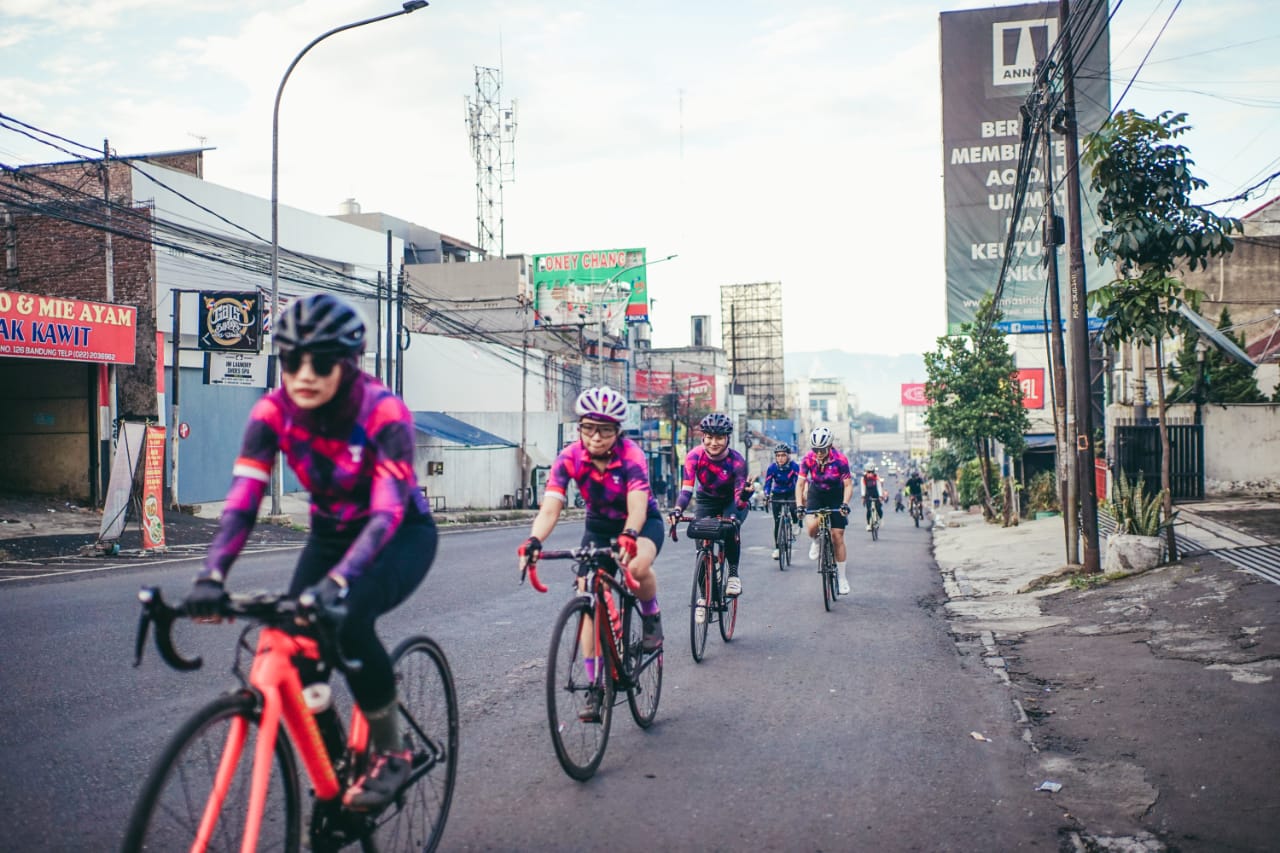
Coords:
pixel 350 441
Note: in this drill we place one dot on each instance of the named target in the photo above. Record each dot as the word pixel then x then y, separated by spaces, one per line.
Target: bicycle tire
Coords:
pixel 780 542
pixel 827 570
pixel 915 515
pixel 169 808
pixel 579 745
pixel 726 610
pixel 702 588
pixel 644 670
pixel 429 723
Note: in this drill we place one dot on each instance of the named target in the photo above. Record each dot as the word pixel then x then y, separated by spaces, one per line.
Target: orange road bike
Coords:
pixel 708 602
pixel 228 780
pixel 602 621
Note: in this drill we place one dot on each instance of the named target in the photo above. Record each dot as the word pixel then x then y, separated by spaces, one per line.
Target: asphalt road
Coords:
pixel 810 731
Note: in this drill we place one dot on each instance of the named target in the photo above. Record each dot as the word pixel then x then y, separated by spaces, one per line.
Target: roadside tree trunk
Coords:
pixel 1166 454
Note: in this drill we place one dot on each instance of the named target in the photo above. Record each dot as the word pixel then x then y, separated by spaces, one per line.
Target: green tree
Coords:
pixel 1151 228
pixel 1225 380
pixel 971 381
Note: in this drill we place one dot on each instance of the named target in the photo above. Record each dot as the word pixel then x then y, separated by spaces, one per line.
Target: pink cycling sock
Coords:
pixel 650 607
pixel 589 664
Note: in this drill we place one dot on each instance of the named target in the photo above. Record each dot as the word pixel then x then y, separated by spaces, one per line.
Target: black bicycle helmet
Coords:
pixel 716 424
pixel 782 448
pixel 320 321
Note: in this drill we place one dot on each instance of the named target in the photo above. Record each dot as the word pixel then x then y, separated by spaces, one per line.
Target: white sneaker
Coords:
pixel 775 554
pixel 813 550
pixel 844 584
pixel 868 526
pixel 700 612
pixel 733 586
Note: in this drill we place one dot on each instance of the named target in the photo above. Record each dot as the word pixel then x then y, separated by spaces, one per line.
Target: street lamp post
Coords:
pixel 277 476
pixel 604 288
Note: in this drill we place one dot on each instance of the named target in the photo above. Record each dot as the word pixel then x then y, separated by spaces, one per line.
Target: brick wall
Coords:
pixel 58 257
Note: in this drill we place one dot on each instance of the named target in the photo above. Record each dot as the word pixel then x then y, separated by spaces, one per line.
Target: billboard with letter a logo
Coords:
pixel 990 60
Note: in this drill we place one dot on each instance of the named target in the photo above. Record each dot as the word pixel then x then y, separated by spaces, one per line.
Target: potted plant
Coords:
pixel 1136 545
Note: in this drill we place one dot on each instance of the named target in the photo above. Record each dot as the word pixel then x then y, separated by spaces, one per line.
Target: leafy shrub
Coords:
pixel 1042 494
pixel 969 484
pixel 1133 510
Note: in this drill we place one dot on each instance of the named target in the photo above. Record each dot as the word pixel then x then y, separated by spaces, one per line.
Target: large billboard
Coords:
pixel 587 288
pixel 989 61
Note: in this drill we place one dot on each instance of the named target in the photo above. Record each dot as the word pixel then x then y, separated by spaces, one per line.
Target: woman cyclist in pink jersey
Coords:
pixel 612 475
pixel 719 474
pixel 350 441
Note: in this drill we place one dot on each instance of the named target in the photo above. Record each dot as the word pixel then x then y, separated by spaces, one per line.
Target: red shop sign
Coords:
pixel 34 326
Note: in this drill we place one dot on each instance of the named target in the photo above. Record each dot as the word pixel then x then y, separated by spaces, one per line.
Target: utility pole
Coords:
pixel 521 500
pixel 390 324
pixel 1067 485
pixel 400 332
pixel 1079 319
pixel 107 435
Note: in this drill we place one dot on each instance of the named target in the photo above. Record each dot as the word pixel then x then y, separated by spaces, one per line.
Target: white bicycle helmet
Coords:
pixel 820 438
pixel 602 404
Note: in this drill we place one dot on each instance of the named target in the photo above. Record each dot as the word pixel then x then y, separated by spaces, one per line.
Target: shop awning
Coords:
pixel 450 428
pixel 1221 341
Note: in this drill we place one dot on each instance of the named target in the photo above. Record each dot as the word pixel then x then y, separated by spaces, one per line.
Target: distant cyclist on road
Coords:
pixel 780 486
pixel 826 483
pixel 873 493
pixel 915 489
pixel 720 475
pixel 372 539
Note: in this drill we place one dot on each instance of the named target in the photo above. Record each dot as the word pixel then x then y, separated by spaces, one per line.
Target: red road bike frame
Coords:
pixel 275 679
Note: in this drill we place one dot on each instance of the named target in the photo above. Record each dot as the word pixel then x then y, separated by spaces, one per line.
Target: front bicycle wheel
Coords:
pixel 579 743
pixel 429 722
pixel 827 573
pixel 700 597
pixel 726 610
pixel 875 525
pixel 780 542
pixel 789 541
pixel 644 671
pixel 172 805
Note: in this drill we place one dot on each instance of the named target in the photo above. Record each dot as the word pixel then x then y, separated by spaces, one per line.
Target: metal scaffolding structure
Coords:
pixel 751 329
pixel 493 137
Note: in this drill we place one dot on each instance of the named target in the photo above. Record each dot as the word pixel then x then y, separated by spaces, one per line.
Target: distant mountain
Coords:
pixel 874 379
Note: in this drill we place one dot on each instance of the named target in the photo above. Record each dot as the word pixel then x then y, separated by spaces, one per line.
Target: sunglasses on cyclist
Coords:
pixel 322 363
pixel 602 430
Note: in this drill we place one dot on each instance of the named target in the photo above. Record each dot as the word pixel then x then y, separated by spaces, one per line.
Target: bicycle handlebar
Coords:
pixel 275 609
pixel 581 554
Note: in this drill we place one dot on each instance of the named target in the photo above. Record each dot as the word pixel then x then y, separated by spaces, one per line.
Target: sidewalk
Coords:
pixel 1152 700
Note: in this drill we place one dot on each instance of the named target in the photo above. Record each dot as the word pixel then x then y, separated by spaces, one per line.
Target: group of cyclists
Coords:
pixel 372 539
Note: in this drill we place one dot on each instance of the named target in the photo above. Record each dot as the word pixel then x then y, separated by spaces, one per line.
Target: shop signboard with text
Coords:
pixel 587 288
pixel 696 389
pixel 53 327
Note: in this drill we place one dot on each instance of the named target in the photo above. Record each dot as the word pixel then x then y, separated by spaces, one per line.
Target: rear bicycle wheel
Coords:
pixel 702 586
pixel 579 744
pixel 791 541
pixel 644 670
pixel 429 723
pixel 171 805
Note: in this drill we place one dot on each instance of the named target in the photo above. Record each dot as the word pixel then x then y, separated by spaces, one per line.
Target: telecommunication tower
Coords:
pixel 493 136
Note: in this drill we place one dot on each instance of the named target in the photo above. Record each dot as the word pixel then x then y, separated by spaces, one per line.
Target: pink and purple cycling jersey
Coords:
pixel 354 457
pixel 717 479
pixel 605 492
pixel 825 476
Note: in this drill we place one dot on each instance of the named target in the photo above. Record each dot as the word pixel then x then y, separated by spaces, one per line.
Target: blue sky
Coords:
pixel 796 142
